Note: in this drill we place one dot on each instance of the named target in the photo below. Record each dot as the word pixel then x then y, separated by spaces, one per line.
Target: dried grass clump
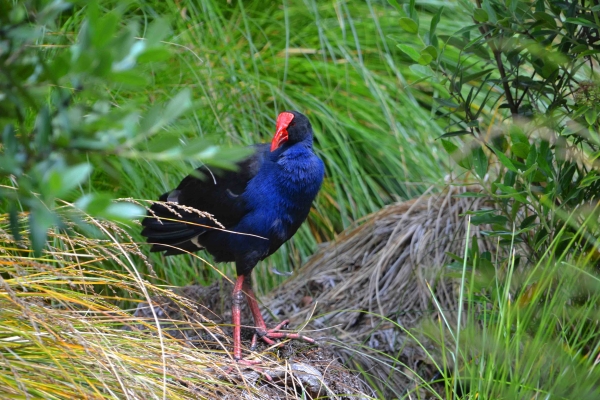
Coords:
pixel 365 292
pixel 63 334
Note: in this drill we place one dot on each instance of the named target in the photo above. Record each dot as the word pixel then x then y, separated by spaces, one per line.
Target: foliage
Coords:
pixel 60 126
pixel 531 66
pixel 520 88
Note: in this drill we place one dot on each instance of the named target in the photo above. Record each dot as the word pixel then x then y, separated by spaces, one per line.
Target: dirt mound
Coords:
pixel 295 370
pixel 366 291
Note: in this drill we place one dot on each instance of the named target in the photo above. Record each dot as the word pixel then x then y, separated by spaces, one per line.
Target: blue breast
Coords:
pixel 279 198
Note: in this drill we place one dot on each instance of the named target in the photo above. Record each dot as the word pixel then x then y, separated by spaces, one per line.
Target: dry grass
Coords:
pixel 62 332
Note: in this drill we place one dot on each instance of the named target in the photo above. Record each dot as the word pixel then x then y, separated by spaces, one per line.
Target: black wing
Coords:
pixel 216 191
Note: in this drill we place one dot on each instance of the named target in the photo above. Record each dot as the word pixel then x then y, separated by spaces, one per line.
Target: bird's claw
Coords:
pixel 269 335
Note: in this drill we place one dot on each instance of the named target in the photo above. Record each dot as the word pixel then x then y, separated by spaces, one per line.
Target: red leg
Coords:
pixel 243 288
pixel 266 335
pixel 237 297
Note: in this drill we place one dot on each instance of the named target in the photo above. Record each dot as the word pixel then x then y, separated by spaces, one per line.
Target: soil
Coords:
pixel 296 369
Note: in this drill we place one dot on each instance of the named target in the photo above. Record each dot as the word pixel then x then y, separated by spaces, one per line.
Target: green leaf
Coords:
pixel 101 205
pixel 431 50
pixel 410 51
pixel 43 129
pixel 517 135
pixel 421 71
pixel 590 178
pixel 9 139
pixel 396 5
pixel 74 176
pixel 157 31
pixel 17 13
pixel 425 59
pixel 14 221
pixel 123 211
pixel 590 116
pixel 588 53
pixel 408 25
pixel 540 237
pixel 490 11
pixel 456 133
pixel 447 103
pixel 480 162
pixel 457 42
pixel 520 149
pixel 579 48
pixel 131 78
pixel 531 157
pixel 540 6
pixel 434 23
pixel 156 117
pixel 510 192
pixel 450 147
pixel 582 22
pixel 40 220
pixel 179 104
pixel 489 219
pixel 163 142
pixel 455 257
pixel 528 221
pixel 154 54
pixel 478 74
pixel 471 194
pixel 504 160
pixel 530 170
pixel 126 49
pixel 52 10
pixel 464 160
pixel 544 154
pixel 480 15
pixel 199 146
pixel 94 204
pixel 104 29
pixel 455 266
pixel 412 11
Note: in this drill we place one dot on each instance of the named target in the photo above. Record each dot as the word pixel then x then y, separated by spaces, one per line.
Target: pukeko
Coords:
pixel 261 205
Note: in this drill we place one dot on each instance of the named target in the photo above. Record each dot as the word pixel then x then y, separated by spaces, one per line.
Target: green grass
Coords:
pixel 532 334
pixel 247 61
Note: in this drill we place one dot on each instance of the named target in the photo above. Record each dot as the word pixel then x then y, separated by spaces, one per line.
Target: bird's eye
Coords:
pixel 291 124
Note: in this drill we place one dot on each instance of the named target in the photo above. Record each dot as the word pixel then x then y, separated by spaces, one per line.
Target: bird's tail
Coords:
pixel 173 229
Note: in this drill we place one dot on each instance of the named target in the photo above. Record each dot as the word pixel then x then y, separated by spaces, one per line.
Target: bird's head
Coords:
pixel 292 127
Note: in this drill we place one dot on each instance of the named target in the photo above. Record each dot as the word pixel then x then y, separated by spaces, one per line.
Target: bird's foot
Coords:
pixel 269 336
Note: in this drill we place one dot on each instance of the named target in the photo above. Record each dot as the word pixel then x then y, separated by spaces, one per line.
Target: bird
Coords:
pixel 253 209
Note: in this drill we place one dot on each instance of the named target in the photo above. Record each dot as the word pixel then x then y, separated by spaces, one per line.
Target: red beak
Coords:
pixel 281 134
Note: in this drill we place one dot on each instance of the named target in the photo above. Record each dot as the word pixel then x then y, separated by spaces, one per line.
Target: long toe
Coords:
pixel 275 333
